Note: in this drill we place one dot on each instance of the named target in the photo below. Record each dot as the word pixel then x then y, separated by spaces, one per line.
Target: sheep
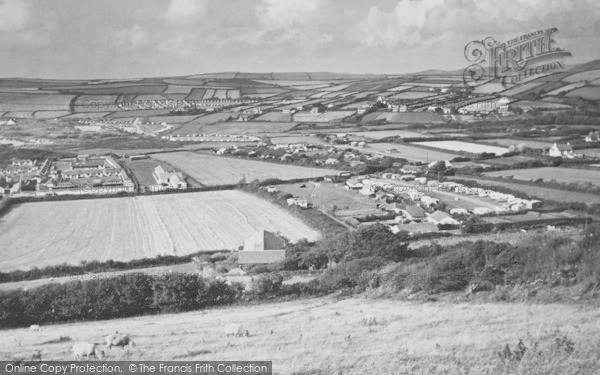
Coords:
pixel 87 349
pixel 37 356
pixel 236 330
pixel 35 328
pixel 118 339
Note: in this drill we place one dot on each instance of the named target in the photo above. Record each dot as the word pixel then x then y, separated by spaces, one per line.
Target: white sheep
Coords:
pixel 35 327
pixel 235 330
pixel 118 339
pixel 87 349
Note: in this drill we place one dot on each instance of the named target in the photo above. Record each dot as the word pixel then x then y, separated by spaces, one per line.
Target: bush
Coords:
pixel 267 285
pixel 134 294
pixel 350 274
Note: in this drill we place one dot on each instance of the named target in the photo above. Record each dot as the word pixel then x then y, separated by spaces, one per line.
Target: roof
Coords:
pixel 439 216
pixel 263 240
pixel 415 211
pixel 566 147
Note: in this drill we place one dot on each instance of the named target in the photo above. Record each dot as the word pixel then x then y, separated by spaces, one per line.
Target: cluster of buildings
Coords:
pixel 212 137
pixel 79 175
pixel 168 180
pixel 414 204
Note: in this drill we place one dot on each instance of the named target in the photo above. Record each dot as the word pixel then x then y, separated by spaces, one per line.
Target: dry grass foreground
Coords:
pixel 351 336
pixel 48 233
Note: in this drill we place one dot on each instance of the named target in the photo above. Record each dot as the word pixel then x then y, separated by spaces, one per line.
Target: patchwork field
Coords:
pixel 129 228
pixel 349 336
pixel 564 175
pixel 464 146
pixel 219 170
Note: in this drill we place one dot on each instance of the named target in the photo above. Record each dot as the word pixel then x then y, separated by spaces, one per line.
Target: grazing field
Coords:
pixel 296 139
pixel 509 142
pixel 142 170
pixel 590 93
pixel 411 95
pixel 352 336
pixel 379 134
pixel 511 160
pixel 589 75
pixel 526 105
pixel 322 117
pixel 275 116
pixel 408 117
pixel 591 152
pixel 566 88
pixel 564 175
pixel 219 170
pixel 243 127
pixel 568 196
pixel 411 153
pixel 326 195
pixel 459 146
pixel 129 228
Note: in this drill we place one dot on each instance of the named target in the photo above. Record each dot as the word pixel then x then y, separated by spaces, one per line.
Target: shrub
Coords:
pixel 353 273
pixel 267 285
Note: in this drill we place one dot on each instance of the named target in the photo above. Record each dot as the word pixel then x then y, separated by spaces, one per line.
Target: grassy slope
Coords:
pixel 353 336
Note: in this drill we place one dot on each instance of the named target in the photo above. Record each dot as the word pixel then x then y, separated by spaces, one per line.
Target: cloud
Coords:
pixel 285 14
pixel 184 11
pixel 14 15
pixel 135 36
pixel 403 26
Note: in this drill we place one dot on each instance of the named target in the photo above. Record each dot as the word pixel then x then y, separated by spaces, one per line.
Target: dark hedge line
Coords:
pixel 96 267
pixel 133 294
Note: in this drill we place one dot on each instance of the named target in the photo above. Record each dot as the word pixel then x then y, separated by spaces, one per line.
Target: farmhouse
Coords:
pixel 173 180
pixel 262 248
pixel 564 151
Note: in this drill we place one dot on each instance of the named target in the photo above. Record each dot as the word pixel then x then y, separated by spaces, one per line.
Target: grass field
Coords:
pixel 564 175
pixel 589 93
pixel 401 118
pixel 249 127
pixel 458 146
pixel 353 336
pixel 218 170
pixel 142 227
pixel 325 195
pixel 378 134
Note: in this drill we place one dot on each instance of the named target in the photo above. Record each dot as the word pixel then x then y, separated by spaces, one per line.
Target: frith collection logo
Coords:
pixel 515 61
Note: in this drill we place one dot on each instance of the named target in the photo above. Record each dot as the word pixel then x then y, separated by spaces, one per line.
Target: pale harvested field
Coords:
pixel 458 146
pixel 563 175
pixel 47 233
pixel 411 153
pixel 220 170
pixel 352 336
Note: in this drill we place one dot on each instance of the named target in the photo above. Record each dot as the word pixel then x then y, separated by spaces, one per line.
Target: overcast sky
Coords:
pixel 142 38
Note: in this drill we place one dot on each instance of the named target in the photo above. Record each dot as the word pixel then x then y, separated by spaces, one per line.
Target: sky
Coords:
pixel 76 39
